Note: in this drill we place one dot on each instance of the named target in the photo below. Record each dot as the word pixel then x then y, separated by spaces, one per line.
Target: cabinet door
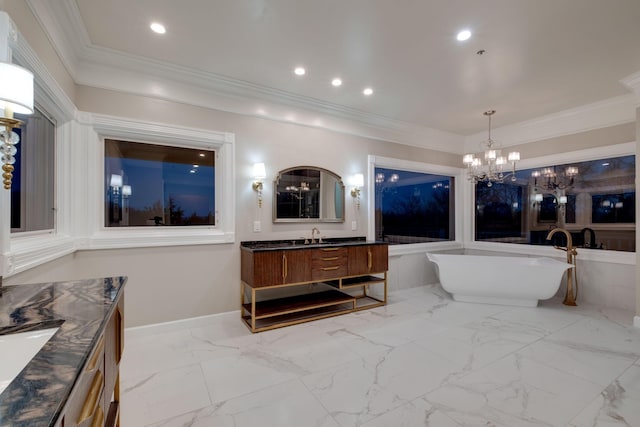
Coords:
pixel 368 259
pixel 281 267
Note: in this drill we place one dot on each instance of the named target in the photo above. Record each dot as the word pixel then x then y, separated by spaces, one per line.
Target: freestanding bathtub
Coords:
pixel 503 280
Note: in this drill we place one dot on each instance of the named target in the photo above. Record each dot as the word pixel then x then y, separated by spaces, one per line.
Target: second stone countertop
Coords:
pixel 80 309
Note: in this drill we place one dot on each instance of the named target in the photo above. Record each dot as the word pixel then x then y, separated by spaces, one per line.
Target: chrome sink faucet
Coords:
pixel 313 235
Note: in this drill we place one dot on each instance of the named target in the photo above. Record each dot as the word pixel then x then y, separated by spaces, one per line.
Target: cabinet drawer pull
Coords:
pixel 285 267
pixel 98 418
pixel 91 402
pixel 96 355
pixel 370 260
pixel 330 268
pixel 329 249
pixel 119 325
pixel 331 258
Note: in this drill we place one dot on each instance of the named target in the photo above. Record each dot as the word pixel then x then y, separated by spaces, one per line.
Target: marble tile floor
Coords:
pixel 422 360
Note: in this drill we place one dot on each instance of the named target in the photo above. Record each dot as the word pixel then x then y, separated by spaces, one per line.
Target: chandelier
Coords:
pixel 548 178
pixel 492 169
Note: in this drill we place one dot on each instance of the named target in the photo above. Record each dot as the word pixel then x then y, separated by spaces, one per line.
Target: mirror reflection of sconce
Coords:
pixel 259 173
pixel 126 191
pixel 537 199
pixel 358 183
pixel 116 183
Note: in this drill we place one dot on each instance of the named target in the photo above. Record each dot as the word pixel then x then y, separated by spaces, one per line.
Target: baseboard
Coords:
pixel 636 321
pixel 192 322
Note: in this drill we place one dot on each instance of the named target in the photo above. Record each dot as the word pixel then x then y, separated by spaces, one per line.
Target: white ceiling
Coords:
pixel 542 56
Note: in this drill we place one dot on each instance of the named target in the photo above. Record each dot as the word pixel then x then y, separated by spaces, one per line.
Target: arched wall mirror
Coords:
pixel 308 194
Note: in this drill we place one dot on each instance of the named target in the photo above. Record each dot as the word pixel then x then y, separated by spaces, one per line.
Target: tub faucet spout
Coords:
pixel 572 276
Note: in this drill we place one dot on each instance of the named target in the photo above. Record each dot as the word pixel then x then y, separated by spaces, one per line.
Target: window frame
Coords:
pixel 589 154
pixel 223 143
pixel 427 168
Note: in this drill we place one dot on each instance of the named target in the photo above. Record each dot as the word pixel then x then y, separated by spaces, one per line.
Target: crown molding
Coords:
pixel 609 112
pixel 104 68
pixel 108 69
pixel 632 83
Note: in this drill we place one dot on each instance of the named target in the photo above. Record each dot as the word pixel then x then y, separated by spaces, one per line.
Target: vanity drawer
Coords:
pixel 329 263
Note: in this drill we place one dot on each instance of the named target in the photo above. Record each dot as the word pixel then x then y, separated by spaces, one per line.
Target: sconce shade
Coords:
pixel 116 180
pixel 16 88
pixel 126 190
pixel 259 171
pixel 538 197
pixel 358 180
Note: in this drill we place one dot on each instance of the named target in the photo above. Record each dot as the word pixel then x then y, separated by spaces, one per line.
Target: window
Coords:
pixel 158 185
pixel 413 207
pixel 33 184
pixel 597 196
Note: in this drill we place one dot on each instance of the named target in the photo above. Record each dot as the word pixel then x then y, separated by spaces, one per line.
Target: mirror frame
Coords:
pixel 306 220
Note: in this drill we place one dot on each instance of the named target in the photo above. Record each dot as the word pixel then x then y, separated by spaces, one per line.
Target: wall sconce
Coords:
pixel 259 173
pixel 16 96
pixel 126 191
pixel 358 183
pixel 116 183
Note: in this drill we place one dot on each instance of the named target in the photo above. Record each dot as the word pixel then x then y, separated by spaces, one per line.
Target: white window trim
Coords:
pixel 459 196
pixel 22 251
pixel 615 257
pixel 101 237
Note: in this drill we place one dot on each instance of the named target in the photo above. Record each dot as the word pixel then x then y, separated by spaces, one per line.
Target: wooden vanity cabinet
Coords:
pixel 95 398
pixel 337 278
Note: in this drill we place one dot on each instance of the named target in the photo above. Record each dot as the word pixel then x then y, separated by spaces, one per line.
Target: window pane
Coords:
pixel 586 198
pixel 413 207
pixel 33 184
pixel 154 185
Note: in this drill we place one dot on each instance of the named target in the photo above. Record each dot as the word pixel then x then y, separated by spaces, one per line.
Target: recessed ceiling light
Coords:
pixel 463 35
pixel 368 91
pixel 300 71
pixel 157 27
pixel 201 154
pixel 336 82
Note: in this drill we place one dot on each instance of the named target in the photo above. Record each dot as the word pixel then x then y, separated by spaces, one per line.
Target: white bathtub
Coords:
pixel 499 280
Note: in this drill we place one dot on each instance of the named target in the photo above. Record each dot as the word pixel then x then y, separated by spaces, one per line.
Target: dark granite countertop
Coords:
pixel 296 244
pixel 80 309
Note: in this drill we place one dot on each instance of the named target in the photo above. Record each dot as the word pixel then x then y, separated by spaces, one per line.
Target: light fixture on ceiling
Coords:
pixel 16 96
pixel 367 91
pixel 157 28
pixel 492 171
pixel 463 35
pixel 336 82
pixel 299 71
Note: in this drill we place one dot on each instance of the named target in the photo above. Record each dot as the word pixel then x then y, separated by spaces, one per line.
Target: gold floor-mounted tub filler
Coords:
pixel 572 275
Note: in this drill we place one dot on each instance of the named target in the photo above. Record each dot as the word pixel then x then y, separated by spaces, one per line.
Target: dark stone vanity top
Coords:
pixel 295 244
pixel 80 309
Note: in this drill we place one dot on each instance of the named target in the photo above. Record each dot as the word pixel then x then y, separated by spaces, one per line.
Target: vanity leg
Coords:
pixel 385 288
pixel 241 297
pixel 253 309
